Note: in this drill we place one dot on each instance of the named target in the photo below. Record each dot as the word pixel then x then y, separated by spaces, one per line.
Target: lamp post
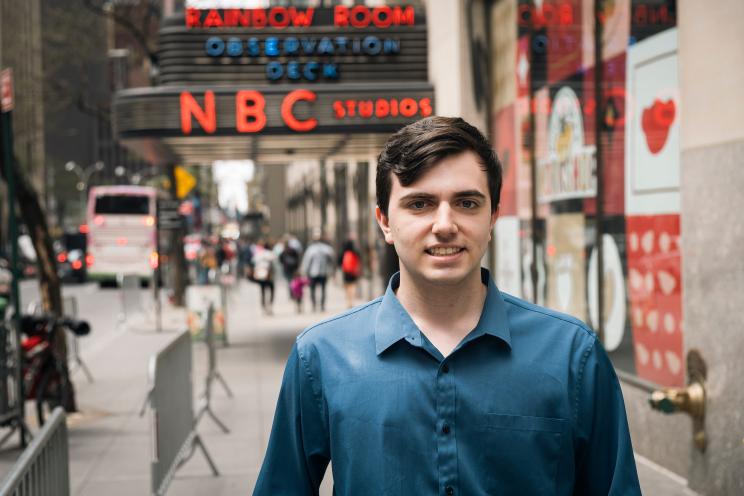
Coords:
pixel 83 175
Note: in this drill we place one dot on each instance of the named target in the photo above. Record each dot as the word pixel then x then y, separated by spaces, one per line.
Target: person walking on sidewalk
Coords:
pixel 445 385
pixel 263 274
pixel 290 261
pixel 351 266
pixel 317 265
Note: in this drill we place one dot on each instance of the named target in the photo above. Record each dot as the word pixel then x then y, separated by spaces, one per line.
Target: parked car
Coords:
pixel 72 258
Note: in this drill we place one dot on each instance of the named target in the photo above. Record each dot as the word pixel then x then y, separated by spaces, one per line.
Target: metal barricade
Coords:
pixel 44 466
pixel 173 430
pixel 74 360
pixel 131 298
pixel 212 374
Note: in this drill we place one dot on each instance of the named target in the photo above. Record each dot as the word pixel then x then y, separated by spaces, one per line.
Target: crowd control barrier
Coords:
pixel 74 359
pixel 173 429
pixel 43 468
pixel 212 374
pixel 130 297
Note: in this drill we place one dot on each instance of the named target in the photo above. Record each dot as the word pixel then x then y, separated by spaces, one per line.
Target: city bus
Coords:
pixel 122 234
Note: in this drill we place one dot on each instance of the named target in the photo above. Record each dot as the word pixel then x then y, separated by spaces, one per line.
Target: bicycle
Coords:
pixel 45 374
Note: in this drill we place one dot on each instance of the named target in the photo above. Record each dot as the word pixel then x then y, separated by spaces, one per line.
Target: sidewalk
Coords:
pixel 110 443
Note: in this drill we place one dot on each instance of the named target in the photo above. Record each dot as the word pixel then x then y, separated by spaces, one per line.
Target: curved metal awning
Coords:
pixel 202 123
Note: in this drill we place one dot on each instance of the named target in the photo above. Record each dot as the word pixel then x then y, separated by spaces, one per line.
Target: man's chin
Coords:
pixel 449 277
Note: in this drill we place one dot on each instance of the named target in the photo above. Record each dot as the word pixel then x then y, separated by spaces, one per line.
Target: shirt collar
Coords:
pixel 394 323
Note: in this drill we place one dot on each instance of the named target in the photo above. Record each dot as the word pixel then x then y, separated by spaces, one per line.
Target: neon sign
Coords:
pixel 251 115
pixel 359 17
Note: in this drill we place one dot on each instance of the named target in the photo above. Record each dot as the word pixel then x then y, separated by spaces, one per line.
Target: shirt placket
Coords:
pixel 446 429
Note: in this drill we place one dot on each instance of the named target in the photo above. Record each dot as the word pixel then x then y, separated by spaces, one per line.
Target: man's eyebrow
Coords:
pixel 423 196
pixel 470 193
pixel 416 196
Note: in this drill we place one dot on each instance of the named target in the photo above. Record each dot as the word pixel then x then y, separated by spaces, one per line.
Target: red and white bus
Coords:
pixel 122 234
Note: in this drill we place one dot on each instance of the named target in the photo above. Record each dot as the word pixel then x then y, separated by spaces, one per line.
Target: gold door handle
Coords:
pixel 690 399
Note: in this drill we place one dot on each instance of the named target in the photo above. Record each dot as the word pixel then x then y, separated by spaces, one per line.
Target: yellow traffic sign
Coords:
pixel 185 182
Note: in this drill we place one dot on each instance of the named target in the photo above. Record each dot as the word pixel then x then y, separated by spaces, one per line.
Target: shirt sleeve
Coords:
pixel 604 456
pixel 298 452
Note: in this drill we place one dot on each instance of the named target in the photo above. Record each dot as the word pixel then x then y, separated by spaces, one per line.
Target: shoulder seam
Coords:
pixel 341 316
pixel 580 379
pixel 310 378
pixel 573 321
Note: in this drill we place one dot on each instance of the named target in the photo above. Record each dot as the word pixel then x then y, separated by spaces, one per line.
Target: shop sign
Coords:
pixel 289 44
pixel 359 17
pixel 6 90
pixel 251 114
pixel 235 111
pixel 569 170
pixel 545 14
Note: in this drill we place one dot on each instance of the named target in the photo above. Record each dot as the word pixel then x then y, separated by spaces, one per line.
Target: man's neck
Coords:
pixel 444 313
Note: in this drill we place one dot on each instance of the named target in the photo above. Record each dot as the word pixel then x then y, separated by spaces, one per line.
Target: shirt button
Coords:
pixel 449 491
pixel 445 368
pixel 446 428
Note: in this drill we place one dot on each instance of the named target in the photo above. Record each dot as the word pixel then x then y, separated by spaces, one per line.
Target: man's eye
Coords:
pixel 418 204
pixel 468 204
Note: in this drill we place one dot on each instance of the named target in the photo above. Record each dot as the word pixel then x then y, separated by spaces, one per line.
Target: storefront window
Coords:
pixel 575 206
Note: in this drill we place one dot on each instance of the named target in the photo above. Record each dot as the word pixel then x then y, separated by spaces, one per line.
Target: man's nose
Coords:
pixel 444 221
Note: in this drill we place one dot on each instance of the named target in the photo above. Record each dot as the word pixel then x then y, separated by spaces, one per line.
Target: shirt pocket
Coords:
pixel 521 454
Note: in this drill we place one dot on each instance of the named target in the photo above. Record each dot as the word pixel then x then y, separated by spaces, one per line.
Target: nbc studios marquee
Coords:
pixel 279 83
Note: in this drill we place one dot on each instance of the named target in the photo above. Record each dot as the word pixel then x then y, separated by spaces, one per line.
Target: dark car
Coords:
pixel 71 252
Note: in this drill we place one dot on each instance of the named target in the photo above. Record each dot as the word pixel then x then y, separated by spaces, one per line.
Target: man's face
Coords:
pixel 441 224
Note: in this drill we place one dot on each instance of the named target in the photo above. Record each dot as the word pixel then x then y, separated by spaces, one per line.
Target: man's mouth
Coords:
pixel 444 251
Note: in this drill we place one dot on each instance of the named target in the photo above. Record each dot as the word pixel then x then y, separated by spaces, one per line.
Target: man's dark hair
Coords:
pixel 419 146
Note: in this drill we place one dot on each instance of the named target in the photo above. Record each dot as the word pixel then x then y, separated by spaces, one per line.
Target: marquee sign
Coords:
pixel 292 45
pixel 230 74
pixel 235 111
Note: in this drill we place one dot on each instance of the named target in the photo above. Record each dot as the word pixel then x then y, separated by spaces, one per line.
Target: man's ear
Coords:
pixel 494 216
pixel 384 223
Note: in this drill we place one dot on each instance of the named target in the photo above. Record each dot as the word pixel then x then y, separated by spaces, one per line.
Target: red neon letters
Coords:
pixel 276 17
pixel 289 119
pixel 207 117
pixel 359 16
pixel 382 108
pixel 384 16
pixel 250 112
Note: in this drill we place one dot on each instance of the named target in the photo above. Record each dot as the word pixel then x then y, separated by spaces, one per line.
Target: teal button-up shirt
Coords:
pixel 527 404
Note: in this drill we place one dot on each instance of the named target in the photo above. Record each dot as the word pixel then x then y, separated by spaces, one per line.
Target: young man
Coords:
pixel 445 386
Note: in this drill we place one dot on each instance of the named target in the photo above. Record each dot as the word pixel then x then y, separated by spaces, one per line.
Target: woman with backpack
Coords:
pixel 351 266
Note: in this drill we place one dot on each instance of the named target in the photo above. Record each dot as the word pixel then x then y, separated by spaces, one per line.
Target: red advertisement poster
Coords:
pixel 655 291
pixel 504 142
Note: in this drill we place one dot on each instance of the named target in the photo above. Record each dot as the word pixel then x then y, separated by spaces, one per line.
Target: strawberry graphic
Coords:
pixel 656 121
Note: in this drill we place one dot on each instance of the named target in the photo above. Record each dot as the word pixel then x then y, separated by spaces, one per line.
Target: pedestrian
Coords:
pixel 317 265
pixel 351 267
pixel 297 289
pixel 245 259
pixel 207 263
pixel 446 386
pixel 290 261
pixel 263 274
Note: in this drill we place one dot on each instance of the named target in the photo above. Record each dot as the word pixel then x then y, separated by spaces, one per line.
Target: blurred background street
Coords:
pixel 161 157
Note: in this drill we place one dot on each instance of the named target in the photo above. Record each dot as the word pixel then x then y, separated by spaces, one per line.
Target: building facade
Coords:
pixel 619 165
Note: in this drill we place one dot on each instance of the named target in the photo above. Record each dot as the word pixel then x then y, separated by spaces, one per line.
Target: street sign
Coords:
pixel 168 216
pixel 185 182
pixel 6 90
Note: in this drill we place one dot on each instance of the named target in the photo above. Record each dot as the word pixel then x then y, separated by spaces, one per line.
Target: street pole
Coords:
pixel 6 119
pixel 7 123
